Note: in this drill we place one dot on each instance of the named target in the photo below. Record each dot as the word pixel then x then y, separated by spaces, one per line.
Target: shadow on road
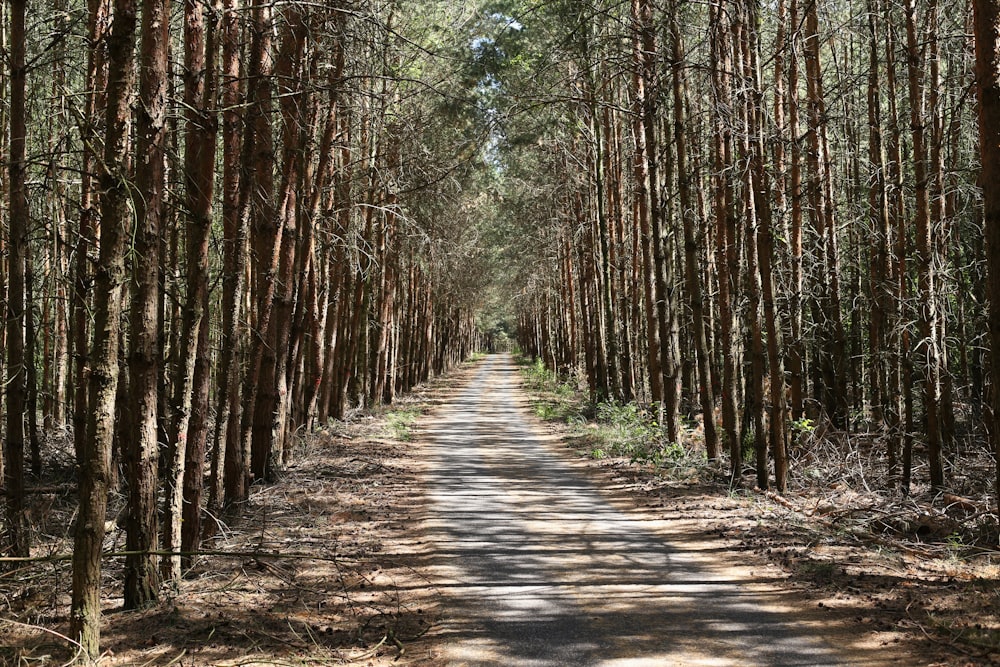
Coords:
pixel 541 569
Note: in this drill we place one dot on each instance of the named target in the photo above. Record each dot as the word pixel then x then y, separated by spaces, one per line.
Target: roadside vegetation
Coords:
pixel 919 567
pixel 611 429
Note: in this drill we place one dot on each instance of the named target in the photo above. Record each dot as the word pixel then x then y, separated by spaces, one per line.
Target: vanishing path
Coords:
pixel 538 568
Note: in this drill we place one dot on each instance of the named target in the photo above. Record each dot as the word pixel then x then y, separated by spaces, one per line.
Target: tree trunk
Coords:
pixel 141 448
pixel 601 168
pixel 271 408
pixel 796 346
pixel 257 202
pixel 987 33
pixel 926 311
pixel 688 213
pixel 86 247
pixel 832 348
pixel 228 431
pixel 878 210
pixel 18 526
pixel 29 365
pixel 109 282
pixel 190 402
pixel 642 201
pixel 726 267
pixel 764 240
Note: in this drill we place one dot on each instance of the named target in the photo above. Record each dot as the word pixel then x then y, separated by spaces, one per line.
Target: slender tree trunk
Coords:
pixel 746 99
pixel 688 213
pixel 987 33
pixel 588 311
pixel 271 408
pixel 56 298
pixel 601 210
pixel 141 448
pixel 18 526
pixel 642 202
pixel 94 105
pixel 4 223
pixel 190 402
pixel 662 257
pixel 833 340
pixel 940 222
pixel 796 346
pixel 900 384
pixel 926 311
pixel 109 283
pixel 319 321
pixel 257 201
pixel 228 428
pixel 764 240
pixel 725 232
pixel 878 209
pixel 29 364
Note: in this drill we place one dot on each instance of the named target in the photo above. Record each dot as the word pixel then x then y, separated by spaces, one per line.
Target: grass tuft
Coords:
pixel 609 428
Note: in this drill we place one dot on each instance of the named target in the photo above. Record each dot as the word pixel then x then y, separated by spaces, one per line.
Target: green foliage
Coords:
pixel 661 455
pixel 399 421
pixel 956 545
pixel 819 570
pixel 536 376
pixel 554 400
pixel 803 425
pixel 617 429
pixel 629 429
pixel 749 448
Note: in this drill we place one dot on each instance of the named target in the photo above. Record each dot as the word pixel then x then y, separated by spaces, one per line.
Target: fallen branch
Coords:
pixel 73 642
pixel 781 500
pixel 958 501
pixel 251 555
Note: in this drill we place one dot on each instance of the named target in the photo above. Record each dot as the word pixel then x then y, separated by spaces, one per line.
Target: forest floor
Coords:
pixel 939 604
pixel 329 564
pixel 320 569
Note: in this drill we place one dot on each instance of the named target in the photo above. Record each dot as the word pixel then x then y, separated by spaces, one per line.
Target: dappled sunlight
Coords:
pixel 543 570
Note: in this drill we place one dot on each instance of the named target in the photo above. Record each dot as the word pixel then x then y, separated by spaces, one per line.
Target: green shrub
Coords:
pixel 398 423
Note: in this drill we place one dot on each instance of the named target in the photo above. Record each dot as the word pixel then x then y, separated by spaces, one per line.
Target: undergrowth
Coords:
pixel 553 399
pixel 840 476
pixel 398 422
pixel 607 428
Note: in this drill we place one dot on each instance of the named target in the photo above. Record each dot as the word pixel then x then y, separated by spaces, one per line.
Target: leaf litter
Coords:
pixel 322 568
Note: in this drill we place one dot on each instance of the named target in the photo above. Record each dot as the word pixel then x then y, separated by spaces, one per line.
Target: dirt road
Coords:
pixel 540 567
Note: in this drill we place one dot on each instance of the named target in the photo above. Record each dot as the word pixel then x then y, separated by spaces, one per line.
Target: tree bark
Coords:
pixel 271 407
pixel 832 345
pixel 141 448
pixel 191 384
pixel 725 237
pixel 228 432
pixel 18 526
pixel 109 282
pixel 688 212
pixel 878 209
pixel 987 34
pixel 764 239
pixel 926 312
pixel 86 246
pixel 640 175
pixel 257 202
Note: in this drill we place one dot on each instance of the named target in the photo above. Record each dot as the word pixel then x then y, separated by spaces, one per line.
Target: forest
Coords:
pixel 228 224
